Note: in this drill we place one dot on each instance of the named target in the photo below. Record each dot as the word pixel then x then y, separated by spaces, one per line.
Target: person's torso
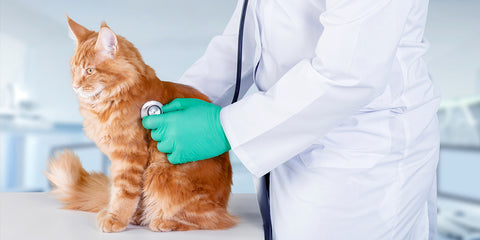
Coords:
pixel 280 33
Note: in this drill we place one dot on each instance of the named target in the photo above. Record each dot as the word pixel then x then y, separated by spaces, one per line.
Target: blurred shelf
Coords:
pixel 28 126
pixel 460 147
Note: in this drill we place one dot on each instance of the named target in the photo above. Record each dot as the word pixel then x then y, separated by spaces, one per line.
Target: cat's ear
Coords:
pixel 107 43
pixel 77 31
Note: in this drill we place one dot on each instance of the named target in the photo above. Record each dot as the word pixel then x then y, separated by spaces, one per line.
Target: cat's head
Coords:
pixel 103 64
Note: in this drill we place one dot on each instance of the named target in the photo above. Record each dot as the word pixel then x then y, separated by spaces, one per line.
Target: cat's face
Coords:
pixel 99 69
pixel 87 81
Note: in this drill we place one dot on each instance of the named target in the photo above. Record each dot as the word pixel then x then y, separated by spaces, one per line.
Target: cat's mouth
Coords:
pixel 88 94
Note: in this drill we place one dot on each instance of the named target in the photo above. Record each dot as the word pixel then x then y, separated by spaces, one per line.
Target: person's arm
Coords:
pixel 190 129
pixel 214 73
pixel 354 55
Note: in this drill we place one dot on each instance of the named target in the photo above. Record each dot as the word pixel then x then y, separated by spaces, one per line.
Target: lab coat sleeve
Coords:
pixel 214 73
pixel 353 57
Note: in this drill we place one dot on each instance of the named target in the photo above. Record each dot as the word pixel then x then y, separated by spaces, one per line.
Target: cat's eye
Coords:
pixel 90 71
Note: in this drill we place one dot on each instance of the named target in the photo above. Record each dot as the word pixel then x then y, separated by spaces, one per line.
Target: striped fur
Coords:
pixel 112 82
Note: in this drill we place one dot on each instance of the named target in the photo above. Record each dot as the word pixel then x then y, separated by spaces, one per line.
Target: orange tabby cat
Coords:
pixel 112 83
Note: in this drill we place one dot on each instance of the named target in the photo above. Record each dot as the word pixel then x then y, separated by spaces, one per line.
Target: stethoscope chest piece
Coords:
pixel 151 108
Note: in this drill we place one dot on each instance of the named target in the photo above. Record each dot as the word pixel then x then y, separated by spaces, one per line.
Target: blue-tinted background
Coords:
pixel 39 111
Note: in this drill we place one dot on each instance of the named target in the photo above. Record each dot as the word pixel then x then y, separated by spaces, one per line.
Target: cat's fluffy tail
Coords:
pixel 74 186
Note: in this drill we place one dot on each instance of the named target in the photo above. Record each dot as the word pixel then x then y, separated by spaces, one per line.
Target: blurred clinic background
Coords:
pixel 39 111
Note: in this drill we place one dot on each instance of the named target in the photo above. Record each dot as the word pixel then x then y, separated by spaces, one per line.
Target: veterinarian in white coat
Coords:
pixel 345 117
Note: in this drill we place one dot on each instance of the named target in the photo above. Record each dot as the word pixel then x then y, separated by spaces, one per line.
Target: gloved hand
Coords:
pixel 188 130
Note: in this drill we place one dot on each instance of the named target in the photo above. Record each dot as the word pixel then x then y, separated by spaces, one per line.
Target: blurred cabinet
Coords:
pixel 25 149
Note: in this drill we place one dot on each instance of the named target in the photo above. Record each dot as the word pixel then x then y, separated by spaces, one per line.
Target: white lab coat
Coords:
pixel 345 116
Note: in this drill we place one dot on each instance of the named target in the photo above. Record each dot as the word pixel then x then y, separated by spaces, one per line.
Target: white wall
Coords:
pixel 453 29
pixel 170 35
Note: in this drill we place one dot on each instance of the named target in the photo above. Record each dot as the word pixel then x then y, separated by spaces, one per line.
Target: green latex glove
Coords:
pixel 188 130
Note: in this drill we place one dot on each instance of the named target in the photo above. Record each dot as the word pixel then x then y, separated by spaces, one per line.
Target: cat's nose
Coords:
pixel 75 87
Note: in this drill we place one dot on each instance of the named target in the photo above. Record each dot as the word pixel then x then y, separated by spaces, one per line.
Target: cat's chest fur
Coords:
pixel 118 126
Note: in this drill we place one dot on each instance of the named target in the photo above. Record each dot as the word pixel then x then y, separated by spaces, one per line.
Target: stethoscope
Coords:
pixel 155 107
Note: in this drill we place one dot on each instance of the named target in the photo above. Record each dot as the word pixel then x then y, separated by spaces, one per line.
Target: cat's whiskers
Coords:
pixel 89 95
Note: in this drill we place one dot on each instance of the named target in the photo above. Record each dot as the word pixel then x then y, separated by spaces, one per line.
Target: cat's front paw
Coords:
pixel 108 222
